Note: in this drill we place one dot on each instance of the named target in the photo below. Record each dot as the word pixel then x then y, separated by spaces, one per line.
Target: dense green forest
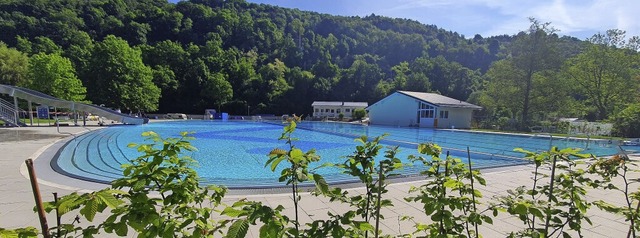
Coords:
pixel 155 56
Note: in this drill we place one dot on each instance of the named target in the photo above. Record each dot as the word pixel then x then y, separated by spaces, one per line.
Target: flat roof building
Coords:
pixel 333 109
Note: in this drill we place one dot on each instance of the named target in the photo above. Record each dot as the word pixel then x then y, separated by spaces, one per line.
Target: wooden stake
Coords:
pixel 38 198
pixel 473 191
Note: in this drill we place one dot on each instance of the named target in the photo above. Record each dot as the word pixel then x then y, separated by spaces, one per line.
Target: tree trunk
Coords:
pixel 525 106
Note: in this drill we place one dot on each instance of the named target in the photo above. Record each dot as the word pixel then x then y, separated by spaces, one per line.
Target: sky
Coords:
pixel 577 18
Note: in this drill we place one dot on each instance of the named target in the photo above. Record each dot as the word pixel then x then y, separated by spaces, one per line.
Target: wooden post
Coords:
pixel 38 198
pixel 473 190
pixel 55 199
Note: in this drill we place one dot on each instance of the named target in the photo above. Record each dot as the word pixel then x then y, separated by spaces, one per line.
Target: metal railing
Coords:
pixel 41 98
pixel 8 113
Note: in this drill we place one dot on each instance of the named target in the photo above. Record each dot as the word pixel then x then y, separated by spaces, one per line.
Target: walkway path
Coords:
pixel 16 199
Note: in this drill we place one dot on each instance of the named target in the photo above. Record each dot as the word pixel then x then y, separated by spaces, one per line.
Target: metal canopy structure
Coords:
pixel 41 98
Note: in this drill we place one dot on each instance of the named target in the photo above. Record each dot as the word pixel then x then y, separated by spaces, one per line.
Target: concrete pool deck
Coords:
pixel 16 198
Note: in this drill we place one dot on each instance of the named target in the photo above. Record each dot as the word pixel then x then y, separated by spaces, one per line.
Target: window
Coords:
pixel 317 110
pixel 347 110
pixel 332 111
pixel 321 110
pixel 425 106
pixel 426 111
pixel 337 110
pixel 444 114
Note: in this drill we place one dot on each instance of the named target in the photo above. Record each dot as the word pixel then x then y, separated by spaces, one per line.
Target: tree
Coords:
pixel 297 100
pixel 43 44
pixel 298 27
pixel 360 80
pixel 452 79
pixel 164 78
pixel 326 75
pixel 606 74
pixel 117 77
pixel 79 51
pixel 627 122
pixel 273 79
pixel 550 93
pixel 170 63
pixel 532 52
pixel 502 89
pixel 217 89
pixel 400 71
pixel 24 45
pixel 13 66
pixel 418 82
pixel 54 75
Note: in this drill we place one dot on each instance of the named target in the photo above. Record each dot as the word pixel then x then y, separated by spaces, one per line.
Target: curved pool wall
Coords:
pixel 234 153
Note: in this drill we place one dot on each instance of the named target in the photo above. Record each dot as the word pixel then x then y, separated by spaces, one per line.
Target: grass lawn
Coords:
pixel 555 134
pixel 37 121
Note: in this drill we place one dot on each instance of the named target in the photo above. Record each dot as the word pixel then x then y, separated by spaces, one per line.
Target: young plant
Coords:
pixel 447 197
pixel 298 170
pixel 249 212
pixel 362 165
pixel 89 204
pixel 159 195
pixel 619 166
pixel 19 232
pixel 181 208
pixel 550 209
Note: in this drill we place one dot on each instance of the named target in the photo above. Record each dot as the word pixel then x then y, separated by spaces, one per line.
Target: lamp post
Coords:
pixel 248 107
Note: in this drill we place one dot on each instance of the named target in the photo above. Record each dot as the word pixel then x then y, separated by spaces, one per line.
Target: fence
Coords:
pixel 590 128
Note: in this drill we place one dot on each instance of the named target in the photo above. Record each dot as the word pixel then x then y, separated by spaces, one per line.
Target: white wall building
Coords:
pixel 404 108
pixel 333 109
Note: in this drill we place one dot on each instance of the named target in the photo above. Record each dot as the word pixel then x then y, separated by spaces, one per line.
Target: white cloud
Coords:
pixel 572 17
pixel 580 18
pixel 410 4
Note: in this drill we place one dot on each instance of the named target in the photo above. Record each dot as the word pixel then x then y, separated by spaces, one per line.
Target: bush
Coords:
pixel 627 122
pixel 504 123
pixel 358 114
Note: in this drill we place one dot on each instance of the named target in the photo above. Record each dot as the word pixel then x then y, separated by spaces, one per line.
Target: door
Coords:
pixel 426 115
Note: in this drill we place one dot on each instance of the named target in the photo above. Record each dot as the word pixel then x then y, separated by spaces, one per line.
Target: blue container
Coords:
pixel 222 115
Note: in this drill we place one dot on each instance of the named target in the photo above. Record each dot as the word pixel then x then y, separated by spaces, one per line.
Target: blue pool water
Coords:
pixel 234 153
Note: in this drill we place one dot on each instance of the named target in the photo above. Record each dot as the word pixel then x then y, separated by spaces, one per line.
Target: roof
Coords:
pixel 355 104
pixel 337 104
pixel 439 100
pixel 324 103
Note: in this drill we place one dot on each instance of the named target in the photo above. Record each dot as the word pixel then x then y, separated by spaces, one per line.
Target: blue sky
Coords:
pixel 578 18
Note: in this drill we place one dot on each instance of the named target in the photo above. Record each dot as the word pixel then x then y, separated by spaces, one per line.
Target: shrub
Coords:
pixel 184 208
pixel 448 196
pixel 359 113
pixel 627 122
pixel 504 123
pixel 553 208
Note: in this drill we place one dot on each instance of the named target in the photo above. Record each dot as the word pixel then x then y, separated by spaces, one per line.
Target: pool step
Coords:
pixel 83 158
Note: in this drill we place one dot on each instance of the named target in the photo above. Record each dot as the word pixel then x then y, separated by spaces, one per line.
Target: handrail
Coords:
pixel 38 97
pixel 11 106
pixel 8 113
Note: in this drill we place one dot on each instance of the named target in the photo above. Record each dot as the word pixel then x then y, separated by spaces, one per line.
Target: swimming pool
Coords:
pixel 234 153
